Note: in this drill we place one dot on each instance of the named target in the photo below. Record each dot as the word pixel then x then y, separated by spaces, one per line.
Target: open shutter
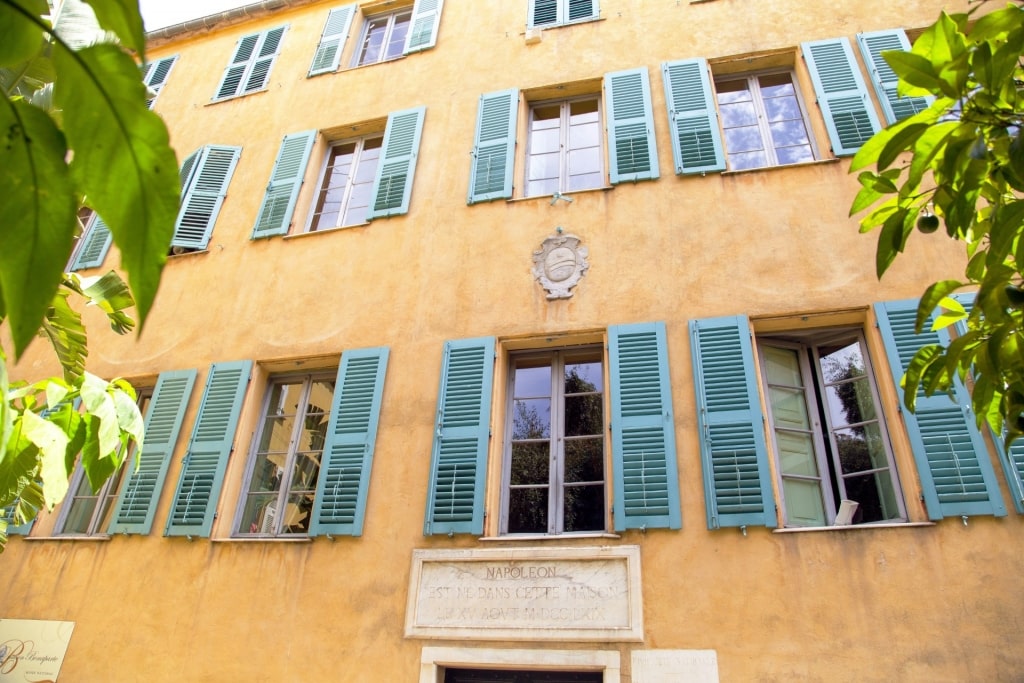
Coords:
pixel 543 13
pixel 332 41
pixel 458 460
pixel 266 53
pixel 348 452
pixel 734 453
pixel 154 75
pixel 495 146
pixel 231 81
pixel 140 493
pixel 7 515
pixel 643 429
pixel 849 115
pixel 426 18
pixel 633 151
pixel 692 117
pixel 952 461
pixel 393 184
pixel 201 202
pixel 94 247
pixel 884 79
pixel 285 181
pixel 195 498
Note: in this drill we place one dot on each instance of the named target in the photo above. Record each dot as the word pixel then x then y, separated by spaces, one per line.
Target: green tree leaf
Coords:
pixel 122 17
pixel 52 443
pixel 63 327
pixel 19 45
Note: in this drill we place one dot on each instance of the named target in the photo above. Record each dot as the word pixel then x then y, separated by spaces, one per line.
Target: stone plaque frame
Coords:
pixel 526 594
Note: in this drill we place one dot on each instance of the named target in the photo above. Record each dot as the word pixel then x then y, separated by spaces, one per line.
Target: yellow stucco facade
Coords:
pixel 913 600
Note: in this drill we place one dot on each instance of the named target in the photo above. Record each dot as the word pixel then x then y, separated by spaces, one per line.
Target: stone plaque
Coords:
pixel 669 666
pixel 526 594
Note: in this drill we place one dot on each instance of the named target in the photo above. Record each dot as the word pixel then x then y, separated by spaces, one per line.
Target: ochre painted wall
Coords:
pixel 919 603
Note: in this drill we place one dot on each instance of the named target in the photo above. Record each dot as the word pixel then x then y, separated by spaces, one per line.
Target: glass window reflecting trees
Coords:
pixel 383 37
pixel 346 188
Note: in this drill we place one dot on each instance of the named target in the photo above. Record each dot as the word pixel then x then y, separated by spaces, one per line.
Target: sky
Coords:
pixel 159 13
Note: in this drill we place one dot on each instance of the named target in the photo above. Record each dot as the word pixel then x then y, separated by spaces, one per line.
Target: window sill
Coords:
pixel 548 197
pixel 235 97
pixel 264 539
pixel 816 162
pixel 188 253
pixel 354 67
pixel 577 22
pixel 69 537
pixel 532 538
pixel 851 527
pixel 300 235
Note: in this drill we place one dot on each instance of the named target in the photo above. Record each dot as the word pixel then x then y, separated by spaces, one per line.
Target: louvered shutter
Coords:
pixel 494 150
pixel 155 75
pixel 140 493
pixel 202 472
pixel 643 429
pixel 250 65
pixel 692 117
pixel 543 12
pixel 264 58
pixel 332 41
pixel 849 115
pixel 631 144
pixel 348 452
pixel 393 184
pixel 426 19
pixel 94 247
pixel 734 453
pixel 285 181
pixel 952 461
pixel 185 172
pixel 884 79
pixel 458 461
pixel 583 9
pixel 7 515
pixel 231 81
pixel 202 200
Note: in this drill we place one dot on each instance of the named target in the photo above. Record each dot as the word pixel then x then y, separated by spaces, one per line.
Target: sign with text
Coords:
pixel 526 594
pixel 32 650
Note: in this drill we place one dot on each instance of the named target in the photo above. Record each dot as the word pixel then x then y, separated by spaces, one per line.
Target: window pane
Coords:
pixel 305 470
pixel 532 419
pixel 840 363
pixel 532 379
pixel 584 415
pixel 584 508
pixel 584 161
pixel 543 167
pixel 78 518
pixel 861 448
pixel 583 376
pixel 259 515
pixel 851 403
pixel 794 155
pixel 296 514
pixel 876 495
pixel 584 460
pixel 374 40
pixel 804 506
pixel 585 181
pixel 530 463
pixel 528 511
pixel 789 408
pixel 796 453
pixel 776 85
pixel 745 139
pixel 396 42
pixel 277 434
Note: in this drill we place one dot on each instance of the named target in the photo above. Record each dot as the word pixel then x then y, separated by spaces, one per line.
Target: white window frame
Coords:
pixel 323 178
pixel 563 142
pixel 360 47
pixel 752 79
pixel 556 358
pixel 561 15
pixel 829 467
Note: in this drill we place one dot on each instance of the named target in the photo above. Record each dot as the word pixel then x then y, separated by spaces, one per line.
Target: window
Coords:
pixel 154 75
pixel 346 187
pixel 564 148
pixel 205 175
pixel 555 448
pixel 92 245
pixel 763 121
pixel 383 37
pixel 555 12
pixel 249 68
pixel 829 435
pixel 884 79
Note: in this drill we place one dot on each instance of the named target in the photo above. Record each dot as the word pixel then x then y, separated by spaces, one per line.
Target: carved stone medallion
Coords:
pixel 560 264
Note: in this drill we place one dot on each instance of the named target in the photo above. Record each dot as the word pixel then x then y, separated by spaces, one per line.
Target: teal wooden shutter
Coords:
pixel 643 429
pixel 154 75
pixel 7 515
pixel 231 81
pixel 195 499
pixel 495 147
pixel 393 184
pixel 94 247
pixel 140 493
pixel 583 9
pixel 458 460
pixel 426 19
pixel 201 201
pixel 692 117
pixel 734 453
pixel 344 479
pixel 631 144
pixel 952 460
pixel 250 65
pixel 543 13
pixel 275 214
pixel 849 115
pixel 332 41
pixel 187 166
pixel 884 79
pixel 265 55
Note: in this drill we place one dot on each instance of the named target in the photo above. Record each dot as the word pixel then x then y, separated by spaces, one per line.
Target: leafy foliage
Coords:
pixel 960 163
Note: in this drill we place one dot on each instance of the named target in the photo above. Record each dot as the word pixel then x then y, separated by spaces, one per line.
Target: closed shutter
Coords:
pixel 154 75
pixel 734 453
pixel 494 150
pixel 202 472
pixel 631 145
pixel 849 115
pixel 583 9
pixel 885 80
pixel 543 13
pixel 348 452
pixel 332 41
pixel 94 247
pixel 250 65
pixel 266 53
pixel 7 515
pixel 458 460
pixel 393 184
pixel 275 214
pixel 956 473
pixel 202 199
pixel 426 18
pixel 643 429
pixel 692 117
pixel 231 82
pixel 140 493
